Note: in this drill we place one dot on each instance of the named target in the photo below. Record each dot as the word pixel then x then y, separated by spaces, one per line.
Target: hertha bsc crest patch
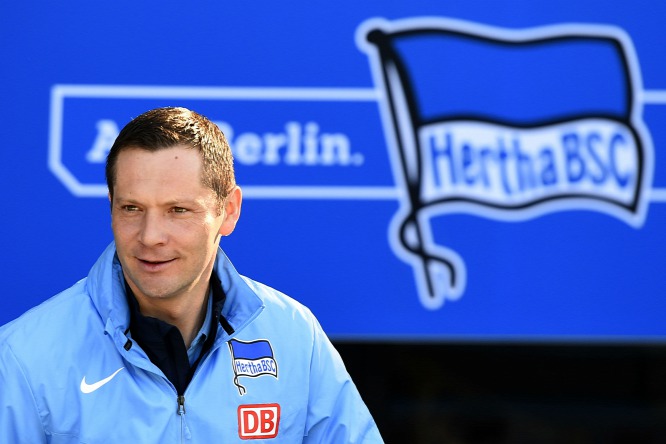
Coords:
pixel 252 359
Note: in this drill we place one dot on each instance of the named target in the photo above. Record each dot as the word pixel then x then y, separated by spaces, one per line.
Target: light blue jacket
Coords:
pixel 69 375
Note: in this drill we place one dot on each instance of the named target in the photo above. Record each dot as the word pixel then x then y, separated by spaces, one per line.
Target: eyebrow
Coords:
pixel 168 203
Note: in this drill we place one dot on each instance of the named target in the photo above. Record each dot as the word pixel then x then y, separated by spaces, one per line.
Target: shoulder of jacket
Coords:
pixel 270 295
pixel 45 319
pixel 276 301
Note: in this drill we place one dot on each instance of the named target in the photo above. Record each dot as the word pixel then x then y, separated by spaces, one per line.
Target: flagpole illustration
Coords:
pixel 404 117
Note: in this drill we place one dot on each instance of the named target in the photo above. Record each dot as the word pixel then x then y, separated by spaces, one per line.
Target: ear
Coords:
pixel 231 211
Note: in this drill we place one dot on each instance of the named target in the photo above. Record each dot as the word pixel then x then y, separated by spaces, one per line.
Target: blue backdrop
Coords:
pixel 459 170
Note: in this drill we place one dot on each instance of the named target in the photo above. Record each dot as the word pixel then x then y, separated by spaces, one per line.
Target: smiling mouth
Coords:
pixel 154 265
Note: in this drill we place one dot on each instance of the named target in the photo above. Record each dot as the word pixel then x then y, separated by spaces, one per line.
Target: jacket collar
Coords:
pixel 106 286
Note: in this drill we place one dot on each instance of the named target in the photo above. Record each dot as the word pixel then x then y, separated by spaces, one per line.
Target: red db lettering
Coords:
pixel 267 421
pixel 258 421
pixel 251 421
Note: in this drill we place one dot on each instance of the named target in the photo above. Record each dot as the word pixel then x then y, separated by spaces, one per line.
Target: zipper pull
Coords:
pixel 185 434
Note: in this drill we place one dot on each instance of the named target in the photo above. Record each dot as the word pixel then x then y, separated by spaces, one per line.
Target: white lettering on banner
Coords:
pixel 499 165
pixel 297 145
pixel 107 131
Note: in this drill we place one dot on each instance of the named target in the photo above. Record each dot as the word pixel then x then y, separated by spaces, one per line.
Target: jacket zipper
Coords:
pixel 185 434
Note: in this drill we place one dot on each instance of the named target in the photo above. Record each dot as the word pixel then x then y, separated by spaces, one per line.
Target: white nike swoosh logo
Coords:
pixel 89 388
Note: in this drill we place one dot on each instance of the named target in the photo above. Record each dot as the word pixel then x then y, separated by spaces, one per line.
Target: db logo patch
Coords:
pixel 258 421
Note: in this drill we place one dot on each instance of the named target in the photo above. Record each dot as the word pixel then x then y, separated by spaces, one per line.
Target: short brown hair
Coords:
pixel 163 128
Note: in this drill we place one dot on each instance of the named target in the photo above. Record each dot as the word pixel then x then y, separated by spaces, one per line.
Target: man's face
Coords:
pixel 166 223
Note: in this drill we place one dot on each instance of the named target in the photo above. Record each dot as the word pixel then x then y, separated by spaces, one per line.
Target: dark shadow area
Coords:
pixel 501 394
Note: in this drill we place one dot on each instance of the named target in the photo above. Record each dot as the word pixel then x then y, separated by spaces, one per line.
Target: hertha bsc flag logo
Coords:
pixel 252 359
pixel 505 124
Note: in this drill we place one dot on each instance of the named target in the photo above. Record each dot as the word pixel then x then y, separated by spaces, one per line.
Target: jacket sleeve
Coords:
pixel 336 412
pixel 19 417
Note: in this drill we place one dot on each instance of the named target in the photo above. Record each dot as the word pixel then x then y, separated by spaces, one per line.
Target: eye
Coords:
pixel 130 208
pixel 179 210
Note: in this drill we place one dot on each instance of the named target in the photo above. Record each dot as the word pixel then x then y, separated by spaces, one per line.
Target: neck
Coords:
pixel 188 316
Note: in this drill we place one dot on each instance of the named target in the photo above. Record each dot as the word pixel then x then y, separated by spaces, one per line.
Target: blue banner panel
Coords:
pixel 474 171
pixel 305 137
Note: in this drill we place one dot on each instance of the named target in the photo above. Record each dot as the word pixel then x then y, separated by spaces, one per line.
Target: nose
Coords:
pixel 153 230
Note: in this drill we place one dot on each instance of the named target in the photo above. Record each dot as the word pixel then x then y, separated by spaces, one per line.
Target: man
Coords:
pixel 164 341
